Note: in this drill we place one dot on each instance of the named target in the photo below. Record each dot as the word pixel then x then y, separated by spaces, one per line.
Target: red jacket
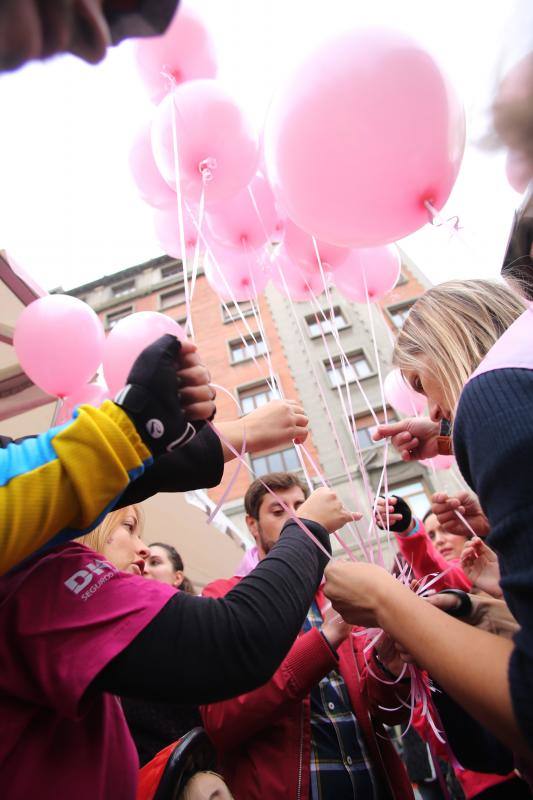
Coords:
pixel 420 552
pixel 263 738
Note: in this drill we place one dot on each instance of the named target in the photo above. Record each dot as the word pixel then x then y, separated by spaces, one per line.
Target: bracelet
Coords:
pixel 464 609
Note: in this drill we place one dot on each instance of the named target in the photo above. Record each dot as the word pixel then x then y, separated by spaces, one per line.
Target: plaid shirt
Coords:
pixel 340 769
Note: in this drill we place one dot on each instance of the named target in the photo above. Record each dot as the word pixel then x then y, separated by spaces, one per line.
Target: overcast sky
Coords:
pixel 69 211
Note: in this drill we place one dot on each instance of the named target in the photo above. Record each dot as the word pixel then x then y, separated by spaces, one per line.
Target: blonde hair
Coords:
pixel 98 537
pixel 451 328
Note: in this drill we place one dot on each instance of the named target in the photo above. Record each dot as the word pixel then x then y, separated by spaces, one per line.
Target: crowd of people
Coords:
pixel 292 678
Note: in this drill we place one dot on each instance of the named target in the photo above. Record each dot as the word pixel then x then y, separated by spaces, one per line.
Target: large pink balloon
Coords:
pixel 167 230
pixel 92 394
pixel 59 342
pixel 366 131
pixel 152 188
pixel 519 170
pixel 288 278
pixel 236 275
pixel 300 248
pixel 401 396
pixel 249 217
pixel 217 147
pixel 379 267
pixel 185 52
pixel 128 339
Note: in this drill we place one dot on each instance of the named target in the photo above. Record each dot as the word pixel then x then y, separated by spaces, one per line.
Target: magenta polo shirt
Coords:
pixel 63 617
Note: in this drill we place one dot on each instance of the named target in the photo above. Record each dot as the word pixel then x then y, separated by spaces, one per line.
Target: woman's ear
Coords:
pixel 178 578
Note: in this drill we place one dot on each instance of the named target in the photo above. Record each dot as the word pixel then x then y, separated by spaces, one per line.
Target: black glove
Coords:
pixel 402 508
pixel 150 398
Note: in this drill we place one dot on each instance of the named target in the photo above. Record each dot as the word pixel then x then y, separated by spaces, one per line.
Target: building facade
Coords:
pixel 256 351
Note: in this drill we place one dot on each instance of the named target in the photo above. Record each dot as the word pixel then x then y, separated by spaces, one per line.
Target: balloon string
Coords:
pixel 231 483
pixel 327 410
pixel 196 260
pixel 57 411
pixel 181 226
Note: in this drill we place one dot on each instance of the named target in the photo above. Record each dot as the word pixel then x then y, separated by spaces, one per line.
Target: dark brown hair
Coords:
pixel 276 481
pixel 177 563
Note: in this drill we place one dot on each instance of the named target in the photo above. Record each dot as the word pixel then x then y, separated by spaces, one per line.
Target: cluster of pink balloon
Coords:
pixel 364 140
pixel 60 344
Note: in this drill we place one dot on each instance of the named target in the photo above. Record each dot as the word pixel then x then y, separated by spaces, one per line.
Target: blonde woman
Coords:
pixel 80 624
pixel 467 346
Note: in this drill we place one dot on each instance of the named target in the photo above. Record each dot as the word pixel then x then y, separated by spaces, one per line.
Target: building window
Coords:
pixel 399 314
pixel 174 297
pixel 415 494
pixel 170 270
pixel 321 322
pixel 125 287
pixel 255 396
pixel 234 311
pixel 243 350
pixel 365 425
pixel 113 317
pixel 357 368
pixel 281 461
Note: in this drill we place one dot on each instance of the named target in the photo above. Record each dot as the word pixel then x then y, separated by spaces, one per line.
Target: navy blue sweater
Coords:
pixel 493 442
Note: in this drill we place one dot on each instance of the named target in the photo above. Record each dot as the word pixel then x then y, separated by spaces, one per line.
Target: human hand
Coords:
pixel 195 392
pixel 480 565
pixel 414 438
pixel 400 517
pixel 444 507
pixel 334 628
pixel 274 424
pixel 391 654
pixel 325 507
pixel 357 591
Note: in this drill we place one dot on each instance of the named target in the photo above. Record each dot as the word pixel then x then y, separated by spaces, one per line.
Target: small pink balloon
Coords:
pixel 366 131
pixel 167 230
pixel 300 247
pixel 235 275
pixel 401 396
pixel 184 52
pixel 378 267
pixel 249 217
pixel 290 279
pixel 128 339
pixel 59 342
pixel 519 170
pixel 218 149
pixel 438 462
pixel 92 394
pixel 152 188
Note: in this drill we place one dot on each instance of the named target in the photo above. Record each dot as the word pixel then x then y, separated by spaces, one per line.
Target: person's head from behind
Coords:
pixel 164 564
pixel 449 545
pixel 265 515
pixel 119 539
pixel 446 335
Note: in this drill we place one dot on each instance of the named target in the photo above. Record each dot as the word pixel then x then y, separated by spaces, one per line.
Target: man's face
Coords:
pixel 272 516
pixel 34 29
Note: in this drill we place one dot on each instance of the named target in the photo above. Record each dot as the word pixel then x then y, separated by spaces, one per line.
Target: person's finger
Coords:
pixel 199 411
pixel 194 376
pixel 196 394
pixel 300 420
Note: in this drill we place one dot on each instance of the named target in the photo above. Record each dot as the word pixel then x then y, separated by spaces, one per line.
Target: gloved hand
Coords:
pixel 399 517
pixel 151 397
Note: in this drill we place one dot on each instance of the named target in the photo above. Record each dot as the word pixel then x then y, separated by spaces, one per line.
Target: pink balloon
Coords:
pixel 300 248
pixel 185 52
pixel 519 170
pixel 401 396
pixel 378 267
pixel 92 394
pixel 146 176
pixel 217 148
pixel 243 220
pixel 128 339
pixel 59 342
pixel 167 230
pixel 235 275
pixel 289 278
pixel 438 462
pixel 366 131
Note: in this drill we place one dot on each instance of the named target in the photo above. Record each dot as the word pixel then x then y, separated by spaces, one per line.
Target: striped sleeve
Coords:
pixel 59 485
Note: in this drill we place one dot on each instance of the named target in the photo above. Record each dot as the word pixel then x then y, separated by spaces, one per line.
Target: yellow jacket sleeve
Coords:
pixel 60 484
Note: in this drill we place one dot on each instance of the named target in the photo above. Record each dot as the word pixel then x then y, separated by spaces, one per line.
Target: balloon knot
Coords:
pixel 206 168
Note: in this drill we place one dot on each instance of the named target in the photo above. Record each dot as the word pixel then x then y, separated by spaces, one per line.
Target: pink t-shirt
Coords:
pixel 63 617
